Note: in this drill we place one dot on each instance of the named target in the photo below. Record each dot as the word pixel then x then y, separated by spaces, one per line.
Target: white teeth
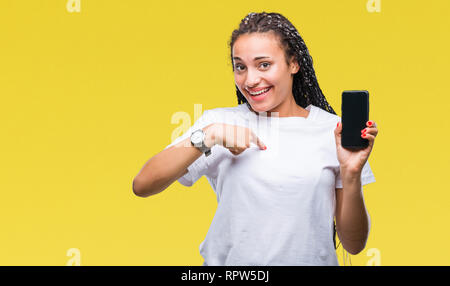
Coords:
pixel 259 92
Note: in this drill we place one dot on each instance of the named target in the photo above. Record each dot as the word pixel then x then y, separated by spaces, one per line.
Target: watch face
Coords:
pixel 197 137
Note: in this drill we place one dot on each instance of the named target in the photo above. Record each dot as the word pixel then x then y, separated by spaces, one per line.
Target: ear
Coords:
pixel 294 67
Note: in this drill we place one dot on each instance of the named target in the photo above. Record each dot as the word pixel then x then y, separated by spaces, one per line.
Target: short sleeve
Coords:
pixel 199 167
pixel 367 176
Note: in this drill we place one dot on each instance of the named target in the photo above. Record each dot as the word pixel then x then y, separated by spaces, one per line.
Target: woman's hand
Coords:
pixel 354 160
pixel 233 137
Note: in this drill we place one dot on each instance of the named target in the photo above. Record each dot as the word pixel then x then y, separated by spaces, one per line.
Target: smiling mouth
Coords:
pixel 264 91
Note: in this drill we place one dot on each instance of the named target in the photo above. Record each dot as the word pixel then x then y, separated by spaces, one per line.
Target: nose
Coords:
pixel 252 79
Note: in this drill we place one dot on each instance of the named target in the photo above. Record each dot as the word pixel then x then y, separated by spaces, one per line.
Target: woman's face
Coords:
pixel 259 63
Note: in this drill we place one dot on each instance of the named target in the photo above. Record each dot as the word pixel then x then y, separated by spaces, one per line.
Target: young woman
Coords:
pixel 274 161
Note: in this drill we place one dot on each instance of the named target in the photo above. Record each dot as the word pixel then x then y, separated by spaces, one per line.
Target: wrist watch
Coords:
pixel 198 141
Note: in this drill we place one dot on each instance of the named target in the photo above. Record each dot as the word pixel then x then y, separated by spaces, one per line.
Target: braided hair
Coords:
pixel 305 87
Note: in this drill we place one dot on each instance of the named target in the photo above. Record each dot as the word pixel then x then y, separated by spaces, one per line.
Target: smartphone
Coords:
pixel 355 114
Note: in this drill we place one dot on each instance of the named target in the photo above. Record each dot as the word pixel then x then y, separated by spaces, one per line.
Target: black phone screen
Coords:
pixel 355 114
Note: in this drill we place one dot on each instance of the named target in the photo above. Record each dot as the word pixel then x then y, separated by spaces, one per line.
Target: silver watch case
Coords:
pixel 198 141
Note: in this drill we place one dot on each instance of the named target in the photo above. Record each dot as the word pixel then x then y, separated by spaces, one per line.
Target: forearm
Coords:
pixel 165 167
pixel 352 219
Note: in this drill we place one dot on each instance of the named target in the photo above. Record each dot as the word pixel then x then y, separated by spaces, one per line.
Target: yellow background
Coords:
pixel 87 99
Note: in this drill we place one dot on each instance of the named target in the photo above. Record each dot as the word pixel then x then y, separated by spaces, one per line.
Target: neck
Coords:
pixel 288 108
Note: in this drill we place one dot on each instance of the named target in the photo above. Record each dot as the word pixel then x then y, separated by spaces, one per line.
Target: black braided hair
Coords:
pixel 305 87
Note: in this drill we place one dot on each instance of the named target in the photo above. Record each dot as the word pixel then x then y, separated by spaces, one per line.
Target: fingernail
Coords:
pixel 337 124
pixel 265 147
pixel 370 123
pixel 363 135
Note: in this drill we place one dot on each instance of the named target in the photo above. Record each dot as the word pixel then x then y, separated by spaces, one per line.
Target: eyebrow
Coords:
pixel 255 59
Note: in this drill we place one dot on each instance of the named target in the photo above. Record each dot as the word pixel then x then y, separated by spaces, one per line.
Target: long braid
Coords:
pixel 305 87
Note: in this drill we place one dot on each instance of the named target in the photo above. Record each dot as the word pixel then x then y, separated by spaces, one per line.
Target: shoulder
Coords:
pixel 221 113
pixel 325 116
pixel 219 110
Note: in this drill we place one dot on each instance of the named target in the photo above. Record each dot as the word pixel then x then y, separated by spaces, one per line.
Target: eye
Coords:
pixel 268 64
pixel 237 67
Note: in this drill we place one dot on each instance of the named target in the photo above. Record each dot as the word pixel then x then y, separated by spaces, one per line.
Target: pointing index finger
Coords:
pixel 257 141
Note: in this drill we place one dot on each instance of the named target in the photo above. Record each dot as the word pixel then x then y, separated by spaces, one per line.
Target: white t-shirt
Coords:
pixel 275 206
